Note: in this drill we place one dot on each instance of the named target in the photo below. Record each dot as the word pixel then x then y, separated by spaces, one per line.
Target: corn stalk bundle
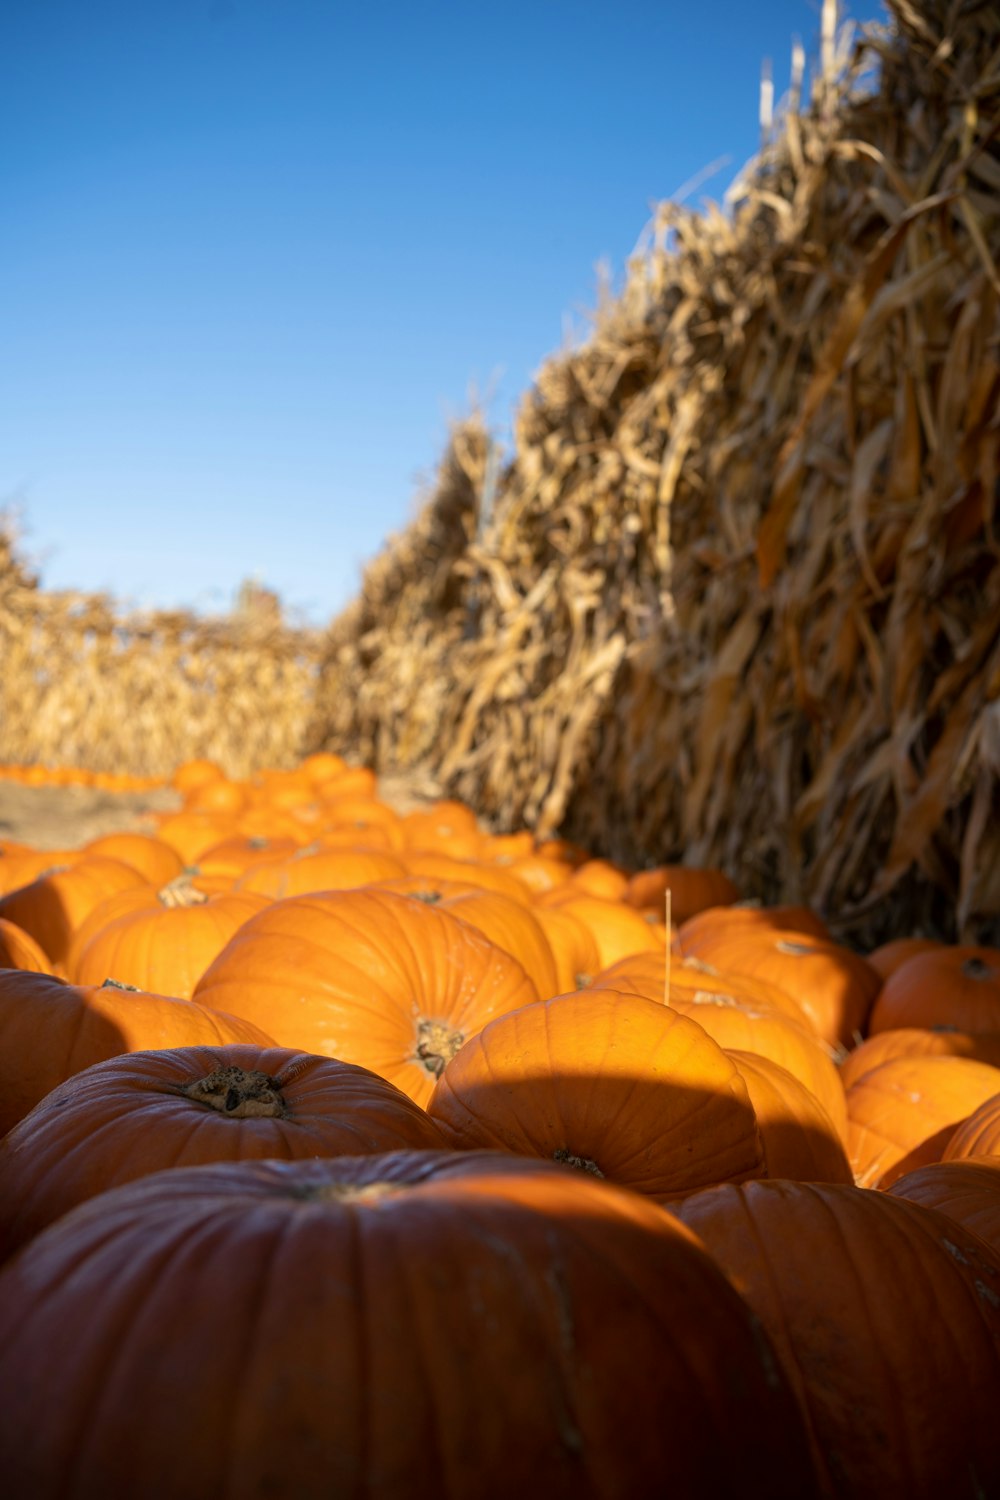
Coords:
pixel 738 597
pixel 85 683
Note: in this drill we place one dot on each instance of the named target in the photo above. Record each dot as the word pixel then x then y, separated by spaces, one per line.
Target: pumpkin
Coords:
pixel 155 860
pixel 800 1139
pixel 311 869
pixel 488 877
pixel 779 1038
pixel 148 1111
pixel 538 873
pixel 513 927
pixel 730 918
pixel 834 986
pixel 617 929
pixel 967 1191
pixel 891 956
pixel 614 1084
pixel 914 1041
pixel 691 890
pixel 373 978
pixel 902 1114
pixel 233 856
pixel 52 1030
pixel 944 986
pixel 196 773
pixel 886 1320
pixel 191 833
pixel 445 827
pixel 18 950
pixel 52 907
pixel 159 940
pixel 979 1133
pixel 336 1327
pixel 598 877
pixel 573 945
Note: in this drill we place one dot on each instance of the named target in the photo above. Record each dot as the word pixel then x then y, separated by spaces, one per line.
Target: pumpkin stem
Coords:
pixel 181 891
pixel 436 1046
pixel 116 984
pixel 240 1094
pixel 974 968
pixel 582 1163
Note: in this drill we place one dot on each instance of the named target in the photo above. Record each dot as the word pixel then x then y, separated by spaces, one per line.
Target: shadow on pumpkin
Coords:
pixel 39 910
pixel 50 1031
pixel 660 1137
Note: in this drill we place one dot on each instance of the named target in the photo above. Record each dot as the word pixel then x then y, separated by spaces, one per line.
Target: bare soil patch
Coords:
pixel 65 817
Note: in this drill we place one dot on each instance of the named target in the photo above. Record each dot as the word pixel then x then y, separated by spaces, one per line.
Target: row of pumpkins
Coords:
pixel 355 1153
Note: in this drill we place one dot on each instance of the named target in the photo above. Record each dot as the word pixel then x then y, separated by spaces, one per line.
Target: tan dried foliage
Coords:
pixel 737 597
pixel 84 683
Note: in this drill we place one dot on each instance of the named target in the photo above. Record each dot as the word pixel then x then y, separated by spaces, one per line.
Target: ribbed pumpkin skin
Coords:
pixel 800 1139
pixel 616 1084
pixel 979 1132
pixel 157 947
pixel 319 870
pixel 372 978
pixel 513 927
pixel 914 1041
pixel 305 1330
pixel 944 986
pixel 617 928
pixel 148 1111
pixel 153 859
pixel 886 1319
pixel 903 1114
pixel 790 1044
pixel 834 986
pixel 52 1030
pixel 18 950
pixel 966 1191
pixel 52 907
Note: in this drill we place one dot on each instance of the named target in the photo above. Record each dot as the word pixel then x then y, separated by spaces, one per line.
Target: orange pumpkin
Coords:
pixel 319 870
pixel 149 1111
pixel 617 929
pixel 312 1298
pixel 159 940
pixel 902 1114
pixel 513 927
pixel 913 1041
pixel 891 956
pixel 979 1133
pixel 614 1084
pixel 52 907
pixel 834 986
pixel 52 1030
pixel 691 890
pixel 155 860
pixel 373 978
pixel 944 986
pixel 573 945
pixel 18 950
pixel 851 1287
pixel 967 1191
pixel 800 1139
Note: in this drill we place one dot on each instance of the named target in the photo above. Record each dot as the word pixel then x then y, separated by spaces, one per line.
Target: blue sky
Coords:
pixel 255 254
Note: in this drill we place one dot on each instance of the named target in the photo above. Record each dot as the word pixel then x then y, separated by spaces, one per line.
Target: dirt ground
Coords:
pixel 65 817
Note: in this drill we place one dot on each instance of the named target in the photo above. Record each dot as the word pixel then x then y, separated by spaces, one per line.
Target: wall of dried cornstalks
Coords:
pixel 84 683
pixel 737 594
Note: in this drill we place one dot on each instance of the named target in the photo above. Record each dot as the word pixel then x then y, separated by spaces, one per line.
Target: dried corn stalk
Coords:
pixel 738 598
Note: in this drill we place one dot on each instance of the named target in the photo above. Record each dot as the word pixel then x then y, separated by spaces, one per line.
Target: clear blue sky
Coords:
pixel 255 253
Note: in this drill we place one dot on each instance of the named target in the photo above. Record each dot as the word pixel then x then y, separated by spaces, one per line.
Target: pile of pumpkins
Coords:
pixel 351 1152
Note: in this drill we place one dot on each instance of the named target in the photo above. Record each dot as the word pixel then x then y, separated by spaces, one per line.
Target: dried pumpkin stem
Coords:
pixel 181 891
pixel 240 1094
pixel 436 1045
pixel 582 1163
